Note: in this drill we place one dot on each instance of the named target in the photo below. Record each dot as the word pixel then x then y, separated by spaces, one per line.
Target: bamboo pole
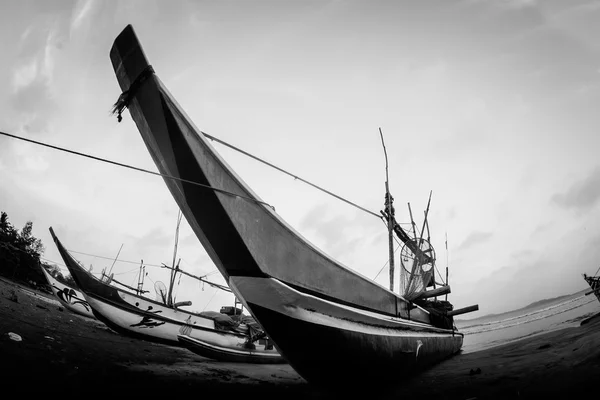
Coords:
pixel 390 216
pixel 463 310
pixel 216 285
pixel 113 264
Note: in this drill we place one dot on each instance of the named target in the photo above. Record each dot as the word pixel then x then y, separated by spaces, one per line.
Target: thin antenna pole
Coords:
pixel 140 278
pixel 174 270
pixel 446 263
pixel 113 264
pixel 425 220
pixel 390 216
pixel 143 277
pixel 434 268
pixel 412 222
pixel 412 270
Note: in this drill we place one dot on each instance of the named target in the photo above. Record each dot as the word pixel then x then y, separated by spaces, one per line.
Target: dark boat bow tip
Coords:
pixel 127 56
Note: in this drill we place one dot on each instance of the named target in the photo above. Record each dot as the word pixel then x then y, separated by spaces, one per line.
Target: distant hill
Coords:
pixel 552 300
pixel 535 304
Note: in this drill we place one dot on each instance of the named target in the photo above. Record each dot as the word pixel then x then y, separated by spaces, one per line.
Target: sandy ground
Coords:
pixel 63 352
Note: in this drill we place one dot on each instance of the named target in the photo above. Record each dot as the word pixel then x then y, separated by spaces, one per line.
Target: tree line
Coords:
pixel 20 255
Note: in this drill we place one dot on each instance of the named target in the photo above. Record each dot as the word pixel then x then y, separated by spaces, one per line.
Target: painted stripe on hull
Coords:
pixel 230 354
pixel 149 328
pixel 72 299
pixel 140 317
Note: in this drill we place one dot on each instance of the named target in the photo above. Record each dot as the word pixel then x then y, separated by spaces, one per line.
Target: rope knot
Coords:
pixel 125 98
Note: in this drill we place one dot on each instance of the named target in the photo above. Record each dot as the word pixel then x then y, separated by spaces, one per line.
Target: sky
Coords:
pixel 489 104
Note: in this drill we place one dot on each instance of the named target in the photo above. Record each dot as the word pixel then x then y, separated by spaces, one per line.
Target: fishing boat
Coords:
pixel 594 282
pixel 68 296
pixel 333 325
pixel 157 321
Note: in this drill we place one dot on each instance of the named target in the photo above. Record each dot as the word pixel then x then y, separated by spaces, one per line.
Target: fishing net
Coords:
pixel 417 258
pixel 161 292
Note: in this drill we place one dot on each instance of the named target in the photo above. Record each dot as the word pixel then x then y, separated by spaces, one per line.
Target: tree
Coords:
pixel 32 245
pixel 7 232
pixel 20 252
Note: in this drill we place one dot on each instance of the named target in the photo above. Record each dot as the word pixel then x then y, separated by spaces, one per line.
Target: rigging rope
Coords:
pixel 136 168
pixel 290 174
pixel 386 263
pixel 197 183
pixel 112 258
pixel 211 299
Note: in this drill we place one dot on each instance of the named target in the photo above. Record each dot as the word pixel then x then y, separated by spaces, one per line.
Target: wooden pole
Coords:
pixel 390 216
pixel 113 264
pixel 174 270
pixel 425 220
pixel 415 263
pixel 225 288
pixel 446 262
pixel 463 310
pixel 433 293
pixel 127 286
pixel 140 283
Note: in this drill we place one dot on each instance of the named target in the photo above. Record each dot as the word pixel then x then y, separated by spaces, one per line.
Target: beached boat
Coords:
pixel 333 325
pixel 68 296
pixel 143 318
pixel 594 282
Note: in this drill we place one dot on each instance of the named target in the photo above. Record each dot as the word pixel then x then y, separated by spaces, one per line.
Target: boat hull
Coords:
pixel 139 317
pixel 220 351
pixel 72 299
pixel 594 282
pixel 330 344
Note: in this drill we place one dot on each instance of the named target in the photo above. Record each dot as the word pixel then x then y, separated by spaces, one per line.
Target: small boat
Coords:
pixel 594 282
pixel 262 353
pixel 140 317
pixel 334 326
pixel 68 296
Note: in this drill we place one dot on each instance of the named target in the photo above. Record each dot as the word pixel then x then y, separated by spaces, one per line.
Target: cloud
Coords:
pixel 582 195
pixel 510 4
pixel 32 97
pixel 474 239
pixel 81 12
pixel 541 228
pixel 522 254
pixel 337 235
pixel 25 74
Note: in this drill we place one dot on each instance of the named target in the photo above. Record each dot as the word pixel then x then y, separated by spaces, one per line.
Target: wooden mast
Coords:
pixel 389 215
pixel 446 262
pixel 175 267
pixel 113 264
pixel 140 282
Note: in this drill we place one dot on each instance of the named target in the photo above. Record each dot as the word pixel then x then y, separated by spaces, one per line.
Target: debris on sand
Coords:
pixel 14 336
pixel 13 296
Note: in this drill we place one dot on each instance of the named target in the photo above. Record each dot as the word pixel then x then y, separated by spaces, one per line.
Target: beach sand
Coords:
pixel 61 352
